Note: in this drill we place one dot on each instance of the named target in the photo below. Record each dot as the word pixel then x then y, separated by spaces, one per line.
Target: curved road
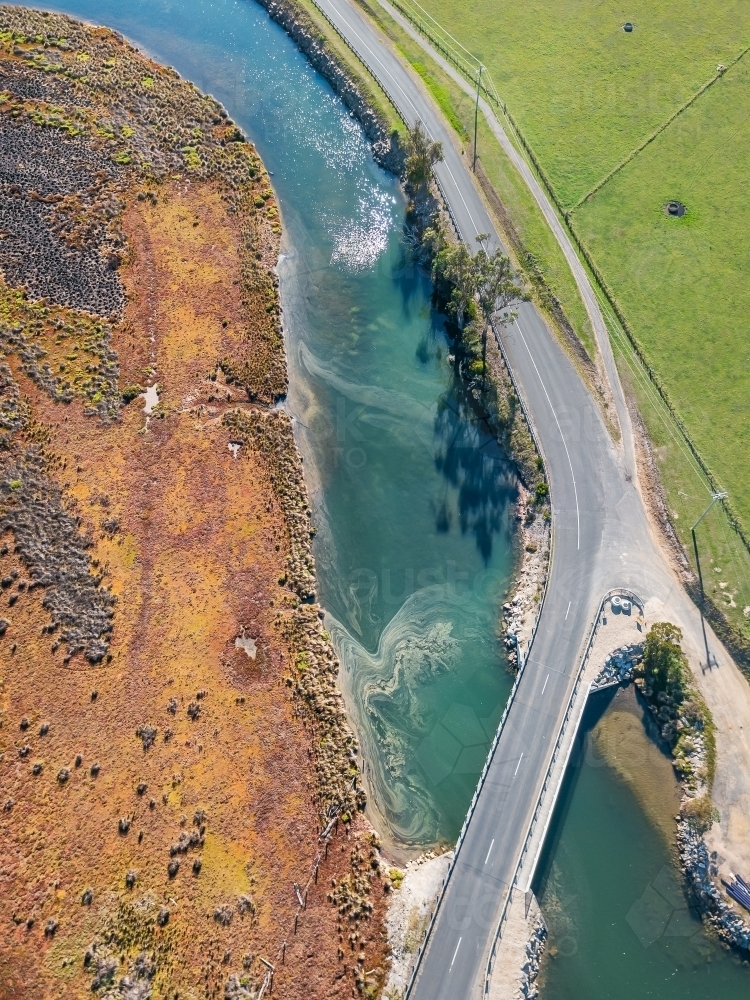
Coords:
pixel 601 540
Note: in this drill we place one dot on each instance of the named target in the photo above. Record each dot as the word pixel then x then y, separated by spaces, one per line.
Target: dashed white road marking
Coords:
pixel 490 851
pixel 455 952
pixel 565 444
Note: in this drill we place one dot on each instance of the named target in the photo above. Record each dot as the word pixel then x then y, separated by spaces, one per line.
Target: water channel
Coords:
pixel 412 499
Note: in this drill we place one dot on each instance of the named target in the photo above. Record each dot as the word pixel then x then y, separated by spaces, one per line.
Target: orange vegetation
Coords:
pixel 192 541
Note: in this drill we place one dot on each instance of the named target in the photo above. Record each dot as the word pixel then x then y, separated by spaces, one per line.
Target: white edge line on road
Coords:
pixel 455 952
pixel 490 851
pixel 565 444
pixel 406 97
pixel 545 683
pixel 518 764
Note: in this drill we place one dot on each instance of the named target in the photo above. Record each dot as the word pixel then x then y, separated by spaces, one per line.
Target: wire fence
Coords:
pixel 687 491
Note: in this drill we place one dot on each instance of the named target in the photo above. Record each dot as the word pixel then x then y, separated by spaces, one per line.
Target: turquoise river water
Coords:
pixel 413 502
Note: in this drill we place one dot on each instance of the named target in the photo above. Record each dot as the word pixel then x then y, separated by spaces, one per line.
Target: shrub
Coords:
pixel 541 493
pixel 701 813
pixel 664 664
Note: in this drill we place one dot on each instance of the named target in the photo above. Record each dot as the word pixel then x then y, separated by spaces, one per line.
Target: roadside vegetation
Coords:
pixel 474 289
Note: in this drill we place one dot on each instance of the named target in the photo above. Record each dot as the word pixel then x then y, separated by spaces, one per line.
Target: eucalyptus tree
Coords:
pixel 496 289
pixel 422 155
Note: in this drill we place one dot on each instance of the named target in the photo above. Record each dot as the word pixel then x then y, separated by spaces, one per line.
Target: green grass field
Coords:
pixel 683 283
pixel 584 92
pixel 540 252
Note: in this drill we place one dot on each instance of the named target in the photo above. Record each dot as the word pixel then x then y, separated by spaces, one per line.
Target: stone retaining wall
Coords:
pixel 386 147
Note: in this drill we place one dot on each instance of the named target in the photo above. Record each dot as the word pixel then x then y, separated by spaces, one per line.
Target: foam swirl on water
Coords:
pixel 396 695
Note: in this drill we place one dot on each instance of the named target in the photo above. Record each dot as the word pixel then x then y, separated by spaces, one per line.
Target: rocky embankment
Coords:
pixel 386 147
pixel 522 610
pixel 530 969
pixel 700 872
pixel 619 667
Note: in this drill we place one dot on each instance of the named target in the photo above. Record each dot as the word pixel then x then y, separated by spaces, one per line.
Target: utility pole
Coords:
pixel 714 498
pixel 476 116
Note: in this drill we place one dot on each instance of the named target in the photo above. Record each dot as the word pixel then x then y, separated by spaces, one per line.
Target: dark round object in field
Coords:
pixel 627 27
pixel 172 868
pixel 36 769
pixel 675 208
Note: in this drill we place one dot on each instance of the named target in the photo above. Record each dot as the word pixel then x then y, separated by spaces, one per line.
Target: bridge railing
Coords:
pixel 593 631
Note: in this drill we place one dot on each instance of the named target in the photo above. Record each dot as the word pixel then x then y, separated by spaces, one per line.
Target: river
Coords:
pixel 620 926
pixel 413 503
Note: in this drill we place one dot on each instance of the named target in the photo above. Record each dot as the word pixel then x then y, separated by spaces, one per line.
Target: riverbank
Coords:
pixel 171 743
pixel 314 36
pixel 521 612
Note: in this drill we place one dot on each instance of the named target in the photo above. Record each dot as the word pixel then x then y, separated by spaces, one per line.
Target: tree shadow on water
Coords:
pixel 474 464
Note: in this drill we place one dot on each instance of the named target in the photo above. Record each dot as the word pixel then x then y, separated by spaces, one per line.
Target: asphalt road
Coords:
pixel 601 540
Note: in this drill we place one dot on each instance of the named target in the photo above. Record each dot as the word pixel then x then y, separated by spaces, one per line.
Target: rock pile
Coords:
pixel 698 868
pixel 521 611
pixel 528 989
pixel 619 666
